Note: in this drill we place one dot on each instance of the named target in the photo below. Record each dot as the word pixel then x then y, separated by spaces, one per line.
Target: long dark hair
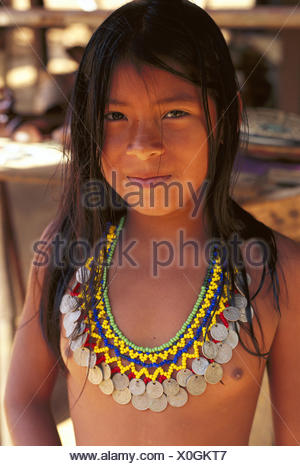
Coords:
pixel 153 33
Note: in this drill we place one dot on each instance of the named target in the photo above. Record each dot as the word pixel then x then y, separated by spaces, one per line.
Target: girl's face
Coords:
pixel 155 126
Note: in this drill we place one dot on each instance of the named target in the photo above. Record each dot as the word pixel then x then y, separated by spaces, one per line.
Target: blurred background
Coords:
pixel 41 44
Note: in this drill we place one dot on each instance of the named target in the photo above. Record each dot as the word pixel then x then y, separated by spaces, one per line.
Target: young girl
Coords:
pixel 162 300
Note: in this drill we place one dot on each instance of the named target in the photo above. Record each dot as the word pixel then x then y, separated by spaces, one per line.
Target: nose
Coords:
pixel 145 141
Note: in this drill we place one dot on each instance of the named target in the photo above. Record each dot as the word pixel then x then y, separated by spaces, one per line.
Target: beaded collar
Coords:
pixel 152 378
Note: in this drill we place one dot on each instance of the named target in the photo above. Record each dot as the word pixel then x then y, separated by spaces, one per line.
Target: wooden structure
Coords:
pixel 283 21
pixel 261 17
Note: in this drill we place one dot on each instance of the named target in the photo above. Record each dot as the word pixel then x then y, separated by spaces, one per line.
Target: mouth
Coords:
pixel 148 182
pixel 152 179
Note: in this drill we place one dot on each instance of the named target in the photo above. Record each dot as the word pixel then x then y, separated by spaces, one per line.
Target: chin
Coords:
pixel 153 212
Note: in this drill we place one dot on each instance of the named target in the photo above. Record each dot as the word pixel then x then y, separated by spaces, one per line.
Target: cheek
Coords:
pixel 112 156
pixel 190 148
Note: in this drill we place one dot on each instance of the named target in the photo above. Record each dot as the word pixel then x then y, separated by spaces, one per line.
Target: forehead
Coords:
pixel 131 81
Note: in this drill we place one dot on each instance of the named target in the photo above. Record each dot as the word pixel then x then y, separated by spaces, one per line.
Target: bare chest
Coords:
pixel 149 312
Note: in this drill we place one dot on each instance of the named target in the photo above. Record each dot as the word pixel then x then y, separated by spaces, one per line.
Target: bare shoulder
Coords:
pixel 39 366
pixel 255 252
pixel 288 269
pixel 283 364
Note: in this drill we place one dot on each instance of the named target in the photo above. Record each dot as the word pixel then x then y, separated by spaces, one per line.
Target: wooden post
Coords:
pixel 289 72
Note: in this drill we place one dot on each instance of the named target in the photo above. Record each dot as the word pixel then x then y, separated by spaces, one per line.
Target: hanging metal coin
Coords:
pixel 213 373
pixel 140 402
pixel 179 399
pixel 182 376
pixel 137 386
pixel 239 301
pixel 231 313
pixel 219 332
pixel 81 356
pixel 199 365
pixel 72 316
pixel 83 274
pixel 91 362
pixel 69 322
pixel 158 404
pixel 120 381
pixel 196 384
pixel 154 389
pixel 107 386
pixel 224 353
pixel 95 375
pixel 232 339
pixel 209 349
pixel 106 370
pixel 78 341
pixel 122 396
pixel 239 281
pixel 235 326
pixel 68 303
pixel 78 329
pixel 170 386
pixel 243 315
pixel 69 329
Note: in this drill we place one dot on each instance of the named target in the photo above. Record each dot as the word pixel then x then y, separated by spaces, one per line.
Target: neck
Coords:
pixel 175 229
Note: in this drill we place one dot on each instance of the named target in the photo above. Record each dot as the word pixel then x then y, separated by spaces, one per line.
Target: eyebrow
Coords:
pixel 165 100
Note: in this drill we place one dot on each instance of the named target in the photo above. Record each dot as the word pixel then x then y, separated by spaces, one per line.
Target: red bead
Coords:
pixel 75 291
pixel 115 369
pixel 161 378
pixel 131 375
pixel 224 320
pixel 215 341
pixel 211 360
pixel 146 380
pixel 100 359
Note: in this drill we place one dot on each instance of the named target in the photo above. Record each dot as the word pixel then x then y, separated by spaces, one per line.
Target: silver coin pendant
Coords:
pixel 154 389
pixel 199 365
pixel 224 353
pixel 219 332
pixel 209 349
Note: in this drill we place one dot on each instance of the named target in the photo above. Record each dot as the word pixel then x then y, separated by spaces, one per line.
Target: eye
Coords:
pixel 114 116
pixel 176 114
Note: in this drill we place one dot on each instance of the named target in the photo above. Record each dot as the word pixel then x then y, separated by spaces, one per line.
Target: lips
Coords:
pixel 143 178
pixel 146 182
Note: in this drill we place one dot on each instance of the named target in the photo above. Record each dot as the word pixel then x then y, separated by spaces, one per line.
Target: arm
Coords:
pixel 283 365
pixel 32 374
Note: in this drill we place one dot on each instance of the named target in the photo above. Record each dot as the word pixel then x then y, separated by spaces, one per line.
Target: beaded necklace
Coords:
pixel 143 375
